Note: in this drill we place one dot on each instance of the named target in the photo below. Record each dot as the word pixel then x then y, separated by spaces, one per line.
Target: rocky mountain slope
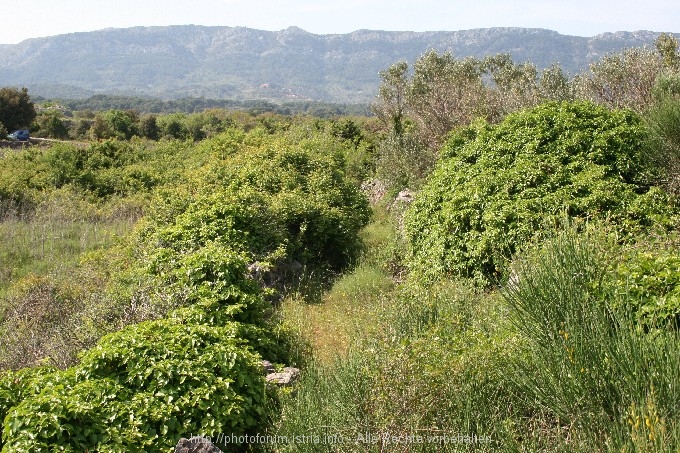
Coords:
pixel 244 63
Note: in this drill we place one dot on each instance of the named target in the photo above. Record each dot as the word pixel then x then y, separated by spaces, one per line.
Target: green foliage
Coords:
pixel 623 80
pixel 667 46
pixel 145 387
pixel 560 363
pixel 172 126
pixel 50 124
pixel 16 108
pixel 497 186
pixel 102 170
pixel 15 386
pixel 291 195
pixel 421 362
pixel 647 278
pixel 148 127
pixel 403 162
pixel 241 200
pixel 443 93
pixel 191 105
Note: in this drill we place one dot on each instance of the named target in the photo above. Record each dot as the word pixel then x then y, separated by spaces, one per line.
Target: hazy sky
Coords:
pixel 36 18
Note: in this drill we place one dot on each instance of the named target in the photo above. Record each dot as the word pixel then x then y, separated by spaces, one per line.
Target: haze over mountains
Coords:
pixel 242 63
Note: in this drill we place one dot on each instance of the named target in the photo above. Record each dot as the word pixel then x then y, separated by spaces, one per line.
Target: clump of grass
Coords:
pixel 331 402
pixel 589 363
pixel 52 238
pixel 555 361
pixel 427 361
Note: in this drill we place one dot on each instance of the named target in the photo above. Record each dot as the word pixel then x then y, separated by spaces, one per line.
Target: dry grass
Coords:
pixel 349 307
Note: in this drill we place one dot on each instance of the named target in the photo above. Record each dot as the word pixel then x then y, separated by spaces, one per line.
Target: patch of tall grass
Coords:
pixel 421 361
pixel 590 365
pixel 53 300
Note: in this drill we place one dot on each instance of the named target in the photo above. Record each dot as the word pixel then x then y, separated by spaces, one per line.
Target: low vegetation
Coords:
pixel 527 299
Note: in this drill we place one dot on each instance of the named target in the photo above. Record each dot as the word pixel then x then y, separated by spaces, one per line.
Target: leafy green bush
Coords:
pixel 143 388
pixel 274 196
pixel 496 187
pixel 647 278
pixel 101 170
pixel 251 199
pixel 15 386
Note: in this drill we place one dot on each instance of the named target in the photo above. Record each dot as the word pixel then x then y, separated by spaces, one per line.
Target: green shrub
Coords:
pixel 646 277
pixel 663 121
pixel 403 162
pixel 254 199
pixel 15 386
pixel 496 187
pixel 143 388
pixel 270 195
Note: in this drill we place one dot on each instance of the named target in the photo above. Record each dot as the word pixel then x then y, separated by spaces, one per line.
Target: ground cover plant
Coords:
pixel 577 349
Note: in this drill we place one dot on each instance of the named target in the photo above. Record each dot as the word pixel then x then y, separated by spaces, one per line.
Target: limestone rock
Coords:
pixel 268 367
pixel 375 190
pixel 286 378
pixel 196 445
pixel 405 196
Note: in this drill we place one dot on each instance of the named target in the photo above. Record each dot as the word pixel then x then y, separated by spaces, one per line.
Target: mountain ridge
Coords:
pixel 245 63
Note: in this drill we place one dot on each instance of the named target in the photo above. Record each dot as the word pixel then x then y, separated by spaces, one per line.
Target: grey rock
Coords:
pixel 268 367
pixel 196 444
pixel 286 378
pixel 405 196
pixel 374 189
pixel 274 276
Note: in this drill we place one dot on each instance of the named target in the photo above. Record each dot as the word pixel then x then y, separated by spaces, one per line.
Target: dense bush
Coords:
pixel 143 388
pixel 100 170
pixel 647 278
pixel 275 197
pixel 663 121
pixel 496 187
pixel 247 199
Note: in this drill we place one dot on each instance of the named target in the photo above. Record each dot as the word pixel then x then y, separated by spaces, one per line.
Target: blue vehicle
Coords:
pixel 22 135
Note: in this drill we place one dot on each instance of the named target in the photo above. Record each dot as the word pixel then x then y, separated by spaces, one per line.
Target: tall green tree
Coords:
pixel 17 111
pixel 445 92
pixel 514 87
pixel 390 106
pixel 631 79
pixel 148 127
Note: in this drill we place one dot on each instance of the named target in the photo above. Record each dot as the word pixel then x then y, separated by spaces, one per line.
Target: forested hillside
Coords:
pixel 489 262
